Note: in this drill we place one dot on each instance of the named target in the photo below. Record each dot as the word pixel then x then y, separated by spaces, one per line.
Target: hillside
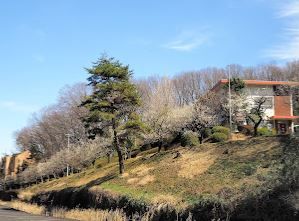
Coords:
pixel 211 179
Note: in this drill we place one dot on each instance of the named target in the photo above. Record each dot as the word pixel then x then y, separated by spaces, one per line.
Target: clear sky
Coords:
pixel 45 44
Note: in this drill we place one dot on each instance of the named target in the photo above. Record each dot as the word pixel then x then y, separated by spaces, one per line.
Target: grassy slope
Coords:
pixel 202 172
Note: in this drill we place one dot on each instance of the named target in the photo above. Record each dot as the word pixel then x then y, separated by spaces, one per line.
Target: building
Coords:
pixel 12 165
pixel 279 107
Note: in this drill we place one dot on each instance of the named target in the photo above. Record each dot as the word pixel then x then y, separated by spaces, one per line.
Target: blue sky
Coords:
pixel 45 44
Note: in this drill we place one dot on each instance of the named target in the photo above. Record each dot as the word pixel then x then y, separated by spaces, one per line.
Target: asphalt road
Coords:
pixel 7 214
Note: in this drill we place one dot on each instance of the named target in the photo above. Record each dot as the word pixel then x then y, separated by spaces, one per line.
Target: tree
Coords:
pixel 47 131
pixel 256 114
pixel 238 104
pixel 295 99
pixel 112 101
pixel 206 113
pixel 132 130
pixel 158 111
pixel 163 115
pixel 237 85
pixel 187 87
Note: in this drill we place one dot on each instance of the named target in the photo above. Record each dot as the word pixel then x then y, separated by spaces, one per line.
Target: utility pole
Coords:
pixel 68 140
pixel 230 101
pixel 68 146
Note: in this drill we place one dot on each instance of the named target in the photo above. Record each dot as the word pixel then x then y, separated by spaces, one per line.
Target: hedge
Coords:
pixel 220 129
pixel 219 137
pixel 190 139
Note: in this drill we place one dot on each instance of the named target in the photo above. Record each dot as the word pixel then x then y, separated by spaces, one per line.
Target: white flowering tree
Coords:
pixel 162 113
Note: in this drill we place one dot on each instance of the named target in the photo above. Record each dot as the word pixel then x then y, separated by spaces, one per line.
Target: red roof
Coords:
pixel 276 117
pixel 258 82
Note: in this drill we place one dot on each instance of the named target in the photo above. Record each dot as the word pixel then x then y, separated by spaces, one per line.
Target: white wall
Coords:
pixel 255 92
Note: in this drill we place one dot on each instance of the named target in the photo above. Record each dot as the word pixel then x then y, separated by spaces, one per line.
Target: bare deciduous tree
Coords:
pixel 78 156
pixel 47 132
pixel 162 114
pixel 187 87
pixel 205 114
pixel 256 113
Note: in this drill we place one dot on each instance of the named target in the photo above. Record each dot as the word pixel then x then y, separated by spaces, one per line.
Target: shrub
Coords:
pixel 207 132
pixel 220 129
pixel 264 131
pixel 219 137
pixel 190 139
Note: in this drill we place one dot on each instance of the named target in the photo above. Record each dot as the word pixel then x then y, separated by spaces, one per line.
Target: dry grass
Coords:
pixel 194 164
pixel 75 214
pixel 145 180
pixel 124 175
pixel 25 195
pixel 140 176
pixel 74 180
pixel 25 207
pixel 90 215
pixel 239 136
pixel 141 181
pixel 132 180
pixel 252 150
pixel 168 199
pixel 95 174
pixel 141 170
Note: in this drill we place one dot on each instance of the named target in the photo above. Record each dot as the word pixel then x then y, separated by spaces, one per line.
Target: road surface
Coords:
pixel 7 214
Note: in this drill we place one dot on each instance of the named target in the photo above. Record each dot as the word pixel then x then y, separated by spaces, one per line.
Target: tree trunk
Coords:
pixel 109 157
pixel 160 146
pixel 130 153
pixel 125 153
pixel 200 138
pixel 94 163
pixel 255 130
pixel 118 150
pixel 120 158
pixel 67 170
pixel 256 126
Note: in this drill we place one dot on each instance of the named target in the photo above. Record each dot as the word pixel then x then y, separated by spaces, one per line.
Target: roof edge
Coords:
pixel 256 82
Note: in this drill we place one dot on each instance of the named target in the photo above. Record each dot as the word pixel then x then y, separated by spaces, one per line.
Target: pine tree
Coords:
pixel 113 100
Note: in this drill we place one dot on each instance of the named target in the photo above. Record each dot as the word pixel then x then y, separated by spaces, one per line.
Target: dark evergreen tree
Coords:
pixel 113 100
pixel 237 85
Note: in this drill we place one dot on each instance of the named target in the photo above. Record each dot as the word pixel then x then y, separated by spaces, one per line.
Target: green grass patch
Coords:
pixel 141 195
